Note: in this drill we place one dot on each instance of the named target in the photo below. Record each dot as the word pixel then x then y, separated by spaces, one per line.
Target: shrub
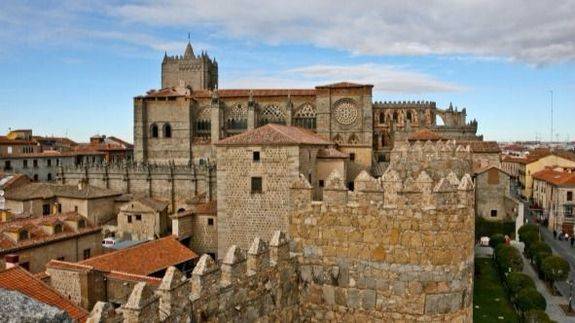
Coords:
pixel 496 240
pixel 530 299
pixel 530 227
pixel 536 248
pixel 529 238
pixel 519 281
pixel 537 316
pixel 539 257
pixel 508 258
pixel 555 268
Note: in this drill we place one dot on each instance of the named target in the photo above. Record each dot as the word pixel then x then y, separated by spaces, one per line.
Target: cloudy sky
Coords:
pixel 72 66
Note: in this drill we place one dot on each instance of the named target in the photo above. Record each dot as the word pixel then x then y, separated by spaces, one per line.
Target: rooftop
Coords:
pixel 143 259
pixel 18 279
pixel 331 153
pixel 424 134
pixel 48 190
pixel 275 134
pixel 555 177
pixel 478 146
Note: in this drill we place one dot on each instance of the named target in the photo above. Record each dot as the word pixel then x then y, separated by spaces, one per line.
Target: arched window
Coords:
pixel 57 228
pixel 395 116
pixel 353 139
pixel 409 116
pixel 154 130
pixel 203 123
pixel 237 117
pixel 81 223
pixel 167 130
pixel 382 117
pixel 23 235
pixel 305 116
pixel 271 114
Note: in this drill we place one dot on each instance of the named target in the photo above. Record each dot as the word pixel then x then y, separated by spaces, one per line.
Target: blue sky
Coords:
pixel 72 67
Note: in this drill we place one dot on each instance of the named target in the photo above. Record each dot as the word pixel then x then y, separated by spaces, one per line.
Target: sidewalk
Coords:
pixel 553 310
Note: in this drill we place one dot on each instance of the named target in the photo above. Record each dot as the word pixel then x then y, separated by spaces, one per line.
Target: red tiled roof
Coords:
pixel 478 146
pixel 424 134
pixel 143 259
pixel 275 134
pixel 557 178
pixel 132 277
pixel 206 208
pixel 37 235
pixel 20 280
pixel 341 85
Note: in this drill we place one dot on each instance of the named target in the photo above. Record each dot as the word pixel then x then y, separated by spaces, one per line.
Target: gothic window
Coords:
pixel 203 123
pixel 337 139
pixel 395 116
pixel 353 140
pixel 271 114
pixel 154 130
pixel 346 112
pixel 237 117
pixel 167 130
pixel 305 116
pixel 382 117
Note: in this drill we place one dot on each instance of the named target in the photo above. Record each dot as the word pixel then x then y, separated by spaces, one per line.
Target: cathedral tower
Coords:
pixel 198 72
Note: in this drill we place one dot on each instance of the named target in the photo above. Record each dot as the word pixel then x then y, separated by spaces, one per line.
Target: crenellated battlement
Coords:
pixel 258 284
pixel 404 104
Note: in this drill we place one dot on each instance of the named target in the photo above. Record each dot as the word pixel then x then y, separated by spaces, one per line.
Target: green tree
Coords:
pixel 538 259
pixel 496 240
pixel 536 248
pixel 530 227
pixel 508 258
pixel 555 268
pixel 537 316
pixel 518 281
pixel 530 299
pixel 529 238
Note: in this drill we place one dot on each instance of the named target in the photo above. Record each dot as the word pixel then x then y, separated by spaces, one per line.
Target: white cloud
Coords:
pixel 385 78
pixel 532 31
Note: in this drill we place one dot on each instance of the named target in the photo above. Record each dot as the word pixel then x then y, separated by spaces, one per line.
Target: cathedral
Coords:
pixel 180 122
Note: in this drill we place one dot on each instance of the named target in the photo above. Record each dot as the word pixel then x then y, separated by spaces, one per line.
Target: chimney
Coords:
pixel 11 260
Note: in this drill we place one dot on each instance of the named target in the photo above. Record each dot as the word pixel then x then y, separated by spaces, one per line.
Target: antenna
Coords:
pixel 188 37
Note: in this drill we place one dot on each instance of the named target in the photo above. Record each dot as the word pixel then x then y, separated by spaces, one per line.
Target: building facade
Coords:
pixel 553 191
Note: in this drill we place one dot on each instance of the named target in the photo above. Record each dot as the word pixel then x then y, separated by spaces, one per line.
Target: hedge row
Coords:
pixel 550 267
pixel 520 286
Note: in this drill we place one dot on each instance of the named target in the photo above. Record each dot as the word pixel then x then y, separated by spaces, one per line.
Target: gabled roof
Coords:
pixel 275 134
pixel 486 168
pixel 154 204
pixel 478 146
pixel 18 279
pixel 143 259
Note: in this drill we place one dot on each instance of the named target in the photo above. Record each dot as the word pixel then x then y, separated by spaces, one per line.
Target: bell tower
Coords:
pixel 199 72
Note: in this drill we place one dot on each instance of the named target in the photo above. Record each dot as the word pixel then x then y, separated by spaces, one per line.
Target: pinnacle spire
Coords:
pixel 189 50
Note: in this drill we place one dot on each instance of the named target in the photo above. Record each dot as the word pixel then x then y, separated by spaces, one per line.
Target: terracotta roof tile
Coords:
pixel 557 178
pixel 275 134
pixel 48 190
pixel 424 134
pixel 237 93
pixel 331 153
pixel 478 146
pixel 20 280
pixel 143 259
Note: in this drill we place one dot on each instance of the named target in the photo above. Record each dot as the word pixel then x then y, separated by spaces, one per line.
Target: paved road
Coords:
pixel 563 248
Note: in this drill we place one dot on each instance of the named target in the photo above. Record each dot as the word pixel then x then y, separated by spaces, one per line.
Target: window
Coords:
pixel 256 156
pixel 25 163
pixel 45 209
pixel 35 177
pixel 81 224
pixel 256 185
pixel 49 177
pixel 129 219
pixel 76 208
pixel 86 253
pixel 35 163
pixel 382 117
pixel 167 131
pixel 57 161
pixel 154 130
pixel 210 221
pixel 61 258
pixel 409 116
pixel 352 156
pixel 49 162
pixel 321 183
pixel 59 207
pixel 9 149
pixel 25 265
pixel 350 186
pixel 493 213
pixel 23 235
pixel 58 228
pixel 7 165
pixel 138 217
pixel 569 196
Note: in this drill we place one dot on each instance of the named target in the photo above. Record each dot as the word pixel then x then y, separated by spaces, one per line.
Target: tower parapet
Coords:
pixel 199 72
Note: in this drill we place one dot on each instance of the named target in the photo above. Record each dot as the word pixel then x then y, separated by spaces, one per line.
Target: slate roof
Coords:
pixel 275 134
pixel 48 190
pixel 143 259
pixel 18 279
